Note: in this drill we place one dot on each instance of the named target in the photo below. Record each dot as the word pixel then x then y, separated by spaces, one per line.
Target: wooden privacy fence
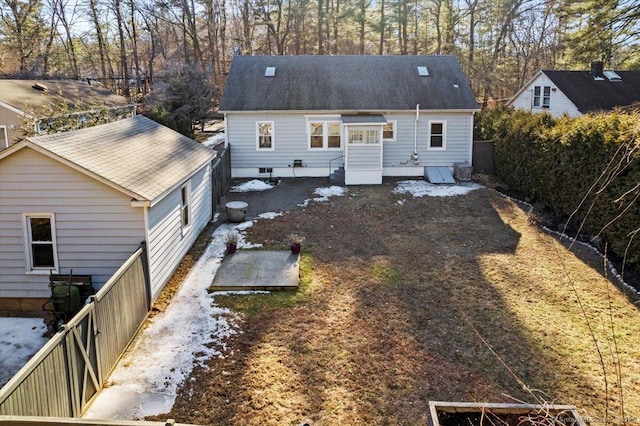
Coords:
pixel 220 177
pixel 62 378
pixel 483 161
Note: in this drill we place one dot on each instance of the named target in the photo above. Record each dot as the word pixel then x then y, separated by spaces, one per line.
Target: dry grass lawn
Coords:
pixel 395 301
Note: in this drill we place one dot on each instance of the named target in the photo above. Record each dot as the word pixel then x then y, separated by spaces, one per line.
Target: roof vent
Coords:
pixel 612 75
pixel 270 72
pixel 40 86
pixel 423 71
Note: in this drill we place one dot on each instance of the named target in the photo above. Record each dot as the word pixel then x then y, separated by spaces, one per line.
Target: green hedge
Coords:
pixel 577 168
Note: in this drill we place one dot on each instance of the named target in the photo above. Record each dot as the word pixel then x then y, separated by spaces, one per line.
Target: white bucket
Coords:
pixel 236 210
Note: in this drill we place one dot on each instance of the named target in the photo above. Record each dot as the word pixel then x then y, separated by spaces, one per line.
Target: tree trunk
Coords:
pixel 124 71
pixel 382 29
pixel 100 38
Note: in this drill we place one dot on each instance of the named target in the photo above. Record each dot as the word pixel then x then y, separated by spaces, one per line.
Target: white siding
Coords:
pixel 363 157
pixel 558 104
pixel 459 130
pixel 167 244
pixel 96 227
pixel 291 142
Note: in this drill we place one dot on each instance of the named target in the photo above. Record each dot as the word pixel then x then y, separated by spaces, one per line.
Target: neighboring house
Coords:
pixel 577 93
pixel 19 99
pixel 86 199
pixel 376 115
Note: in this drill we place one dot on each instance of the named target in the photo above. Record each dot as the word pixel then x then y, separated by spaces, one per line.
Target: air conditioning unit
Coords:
pixel 462 171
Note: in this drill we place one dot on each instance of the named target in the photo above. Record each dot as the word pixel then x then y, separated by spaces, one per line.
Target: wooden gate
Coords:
pixel 62 378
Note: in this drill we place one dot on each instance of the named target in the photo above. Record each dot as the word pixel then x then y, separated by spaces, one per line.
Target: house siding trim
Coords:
pixel 16 110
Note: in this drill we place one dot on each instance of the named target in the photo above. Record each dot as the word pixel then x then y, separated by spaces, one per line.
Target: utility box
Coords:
pixel 462 171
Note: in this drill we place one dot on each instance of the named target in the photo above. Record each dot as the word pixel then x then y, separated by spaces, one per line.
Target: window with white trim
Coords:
pixel 542 96
pixel 324 135
pixel 185 203
pixel 264 135
pixel 40 239
pixel 4 137
pixel 437 135
pixel 389 131
pixel 364 136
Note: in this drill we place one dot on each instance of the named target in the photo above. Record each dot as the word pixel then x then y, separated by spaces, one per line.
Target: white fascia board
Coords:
pixel 16 110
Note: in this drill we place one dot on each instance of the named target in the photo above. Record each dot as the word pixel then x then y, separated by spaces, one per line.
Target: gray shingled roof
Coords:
pixel 21 95
pixel 136 154
pixel 346 83
pixel 591 95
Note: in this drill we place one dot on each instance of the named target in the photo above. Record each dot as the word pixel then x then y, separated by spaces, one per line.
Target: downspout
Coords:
pixel 226 132
pixel 414 157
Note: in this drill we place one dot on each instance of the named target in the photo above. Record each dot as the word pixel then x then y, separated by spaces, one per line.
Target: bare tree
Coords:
pixel 22 27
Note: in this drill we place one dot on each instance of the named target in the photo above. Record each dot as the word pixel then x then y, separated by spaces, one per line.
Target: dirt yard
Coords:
pixel 409 300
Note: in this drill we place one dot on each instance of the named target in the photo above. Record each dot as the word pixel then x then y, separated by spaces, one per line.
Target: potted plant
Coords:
pixel 231 241
pixel 295 241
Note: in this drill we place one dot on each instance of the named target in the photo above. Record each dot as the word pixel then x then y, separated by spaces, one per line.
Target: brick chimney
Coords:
pixel 596 69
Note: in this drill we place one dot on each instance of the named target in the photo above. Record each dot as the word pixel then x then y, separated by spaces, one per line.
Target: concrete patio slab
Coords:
pixel 257 270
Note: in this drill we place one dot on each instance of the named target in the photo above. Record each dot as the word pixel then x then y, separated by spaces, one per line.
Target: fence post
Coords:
pixel 145 271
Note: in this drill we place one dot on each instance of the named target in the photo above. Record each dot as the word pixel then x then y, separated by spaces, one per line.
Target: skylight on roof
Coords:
pixel 612 75
pixel 270 72
pixel 423 71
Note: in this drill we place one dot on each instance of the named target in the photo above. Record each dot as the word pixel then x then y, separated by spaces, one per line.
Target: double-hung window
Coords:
pixel 546 97
pixel 264 136
pixel 437 135
pixel 40 239
pixel 389 131
pixel 324 135
pixel 185 203
pixel 541 96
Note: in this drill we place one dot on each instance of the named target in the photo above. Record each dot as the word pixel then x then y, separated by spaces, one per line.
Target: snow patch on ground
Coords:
pixel 269 215
pixel 191 330
pixel 251 186
pixel 20 339
pixel 325 193
pixel 420 188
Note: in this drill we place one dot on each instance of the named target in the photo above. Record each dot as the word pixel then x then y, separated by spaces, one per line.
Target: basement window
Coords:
pixel 270 72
